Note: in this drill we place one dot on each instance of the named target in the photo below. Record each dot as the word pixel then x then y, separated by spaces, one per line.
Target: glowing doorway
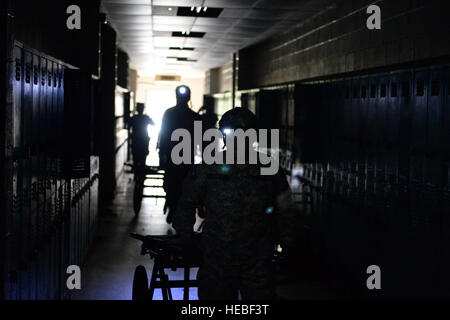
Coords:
pixel 156 102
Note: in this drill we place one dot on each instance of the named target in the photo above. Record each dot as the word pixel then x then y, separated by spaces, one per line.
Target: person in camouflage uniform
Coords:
pixel 246 213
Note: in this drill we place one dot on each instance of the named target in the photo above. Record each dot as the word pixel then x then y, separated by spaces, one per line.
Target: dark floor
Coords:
pixel 108 271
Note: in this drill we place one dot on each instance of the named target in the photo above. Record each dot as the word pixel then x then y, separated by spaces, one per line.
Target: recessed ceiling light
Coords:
pixel 190 34
pixel 206 12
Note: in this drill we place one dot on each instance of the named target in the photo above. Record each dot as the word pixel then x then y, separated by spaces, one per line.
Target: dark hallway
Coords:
pixel 346 101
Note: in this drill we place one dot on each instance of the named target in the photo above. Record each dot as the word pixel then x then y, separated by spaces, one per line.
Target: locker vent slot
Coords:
pixel 35 75
pixel 18 69
pixel 28 73
pixel 43 77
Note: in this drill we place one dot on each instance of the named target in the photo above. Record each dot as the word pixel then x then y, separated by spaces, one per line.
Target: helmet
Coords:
pixel 238 118
pixel 140 107
pixel 183 94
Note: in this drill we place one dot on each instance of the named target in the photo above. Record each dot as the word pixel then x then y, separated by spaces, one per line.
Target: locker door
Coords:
pixel 373 92
pixel 405 107
pixel 392 132
pixel 364 141
pixel 355 113
pixel 380 164
pixel 323 117
pixel 382 110
pixel 347 111
pixel 42 185
pixel 35 172
pixel 26 199
pixel 419 122
pixel 371 105
pixel 435 127
pixel 14 221
pixel 334 124
pixel 419 145
pixel 364 112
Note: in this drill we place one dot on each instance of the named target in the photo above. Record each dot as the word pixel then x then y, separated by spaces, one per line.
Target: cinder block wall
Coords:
pixel 337 41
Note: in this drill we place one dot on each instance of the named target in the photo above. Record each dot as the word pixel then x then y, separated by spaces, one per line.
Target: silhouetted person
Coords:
pixel 139 135
pixel 178 117
pixel 209 118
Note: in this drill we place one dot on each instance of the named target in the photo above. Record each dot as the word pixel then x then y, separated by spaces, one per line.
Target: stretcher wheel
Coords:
pixel 140 284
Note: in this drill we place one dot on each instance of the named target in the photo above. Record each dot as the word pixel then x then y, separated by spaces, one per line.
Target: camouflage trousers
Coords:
pixel 253 279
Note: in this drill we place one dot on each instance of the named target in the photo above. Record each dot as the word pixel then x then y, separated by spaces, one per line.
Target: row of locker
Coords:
pixel 375 150
pixel 379 137
pixel 52 212
pixel 405 110
pixel 37 260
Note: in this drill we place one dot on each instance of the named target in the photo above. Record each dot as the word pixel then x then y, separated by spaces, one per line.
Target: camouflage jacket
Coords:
pixel 246 212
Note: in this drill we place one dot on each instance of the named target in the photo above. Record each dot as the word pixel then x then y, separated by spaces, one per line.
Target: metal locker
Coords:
pixel 435 128
pixel 373 93
pixel 381 109
pixel 34 174
pixel 340 120
pixel 13 222
pixel 364 112
pixel 392 133
pixel 26 221
pixel 419 146
pixel 381 126
pixel 354 113
pixel 405 109
pixel 419 112
pixel 335 124
pixel 347 114
pixel 363 142
pixel 435 112
pixel 42 181
pixel 51 164
pixel 372 131
pixel 393 111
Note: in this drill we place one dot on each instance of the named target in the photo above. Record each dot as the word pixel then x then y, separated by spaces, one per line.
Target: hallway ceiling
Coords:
pixel 145 30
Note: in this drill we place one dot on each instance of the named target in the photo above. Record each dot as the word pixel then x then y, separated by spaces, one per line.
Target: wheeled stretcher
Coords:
pixel 168 252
